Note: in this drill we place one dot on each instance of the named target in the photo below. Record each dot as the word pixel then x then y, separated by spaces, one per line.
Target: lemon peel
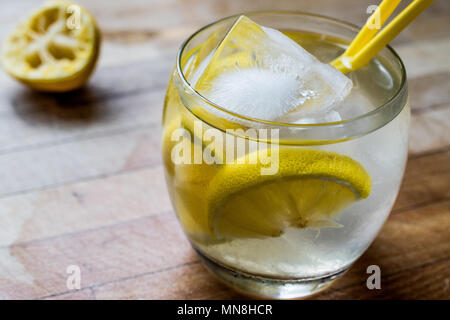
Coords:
pixel 311 187
pixel 47 53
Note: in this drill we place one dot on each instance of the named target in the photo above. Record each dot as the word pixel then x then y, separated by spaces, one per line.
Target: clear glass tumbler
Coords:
pixel 327 188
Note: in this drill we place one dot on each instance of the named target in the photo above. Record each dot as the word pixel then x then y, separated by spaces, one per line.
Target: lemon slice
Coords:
pixel 309 190
pixel 55 49
pixel 188 183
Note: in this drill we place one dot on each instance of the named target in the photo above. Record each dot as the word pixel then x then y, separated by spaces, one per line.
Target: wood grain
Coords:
pixel 82 181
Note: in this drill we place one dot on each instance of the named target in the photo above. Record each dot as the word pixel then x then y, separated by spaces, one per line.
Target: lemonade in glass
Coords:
pixel 281 169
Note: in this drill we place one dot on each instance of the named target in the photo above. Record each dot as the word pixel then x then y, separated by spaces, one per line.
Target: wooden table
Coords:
pixel 82 182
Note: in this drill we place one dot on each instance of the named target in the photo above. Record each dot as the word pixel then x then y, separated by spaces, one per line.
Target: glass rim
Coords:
pixel 384 107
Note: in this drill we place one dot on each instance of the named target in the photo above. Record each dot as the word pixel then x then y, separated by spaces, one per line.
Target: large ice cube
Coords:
pixel 259 72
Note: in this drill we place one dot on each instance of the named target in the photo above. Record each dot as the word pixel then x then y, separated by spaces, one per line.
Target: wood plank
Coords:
pixel 426 180
pixel 74 208
pixel 129 195
pixel 143 21
pixel 116 100
pixel 190 281
pixel 67 163
pixel 164 14
pixel 429 281
pixel 85 294
pixel 83 206
pixel 137 247
pixel 28 170
pixel 420 163
pixel 130 252
pixel 393 251
pixel 425 57
pixel 44 127
pixel 430 130
pixel 431 24
pixel 82 181
pixel 429 91
pixel 33 120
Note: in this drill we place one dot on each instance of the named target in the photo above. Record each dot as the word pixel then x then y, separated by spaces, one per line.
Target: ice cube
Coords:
pixel 330 116
pixel 259 72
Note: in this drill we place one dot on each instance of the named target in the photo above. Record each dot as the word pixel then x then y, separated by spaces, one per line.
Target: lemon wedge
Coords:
pixel 55 49
pixel 309 190
pixel 188 182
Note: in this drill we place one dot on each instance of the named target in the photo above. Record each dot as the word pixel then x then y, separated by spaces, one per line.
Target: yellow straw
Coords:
pixel 359 54
pixel 369 30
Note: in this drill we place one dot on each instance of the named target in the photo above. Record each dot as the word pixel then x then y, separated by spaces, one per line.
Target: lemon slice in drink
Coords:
pixel 55 49
pixel 187 182
pixel 309 190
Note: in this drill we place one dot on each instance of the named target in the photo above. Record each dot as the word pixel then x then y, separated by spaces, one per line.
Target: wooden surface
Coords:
pixel 82 182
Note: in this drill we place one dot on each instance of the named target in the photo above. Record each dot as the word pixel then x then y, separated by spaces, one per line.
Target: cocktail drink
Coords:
pixel 280 168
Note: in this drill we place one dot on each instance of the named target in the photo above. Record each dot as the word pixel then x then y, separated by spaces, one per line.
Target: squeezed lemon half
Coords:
pixel 55 49
pixel 309 190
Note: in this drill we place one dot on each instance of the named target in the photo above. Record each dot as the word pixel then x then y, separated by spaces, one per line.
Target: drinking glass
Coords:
pixel 292 232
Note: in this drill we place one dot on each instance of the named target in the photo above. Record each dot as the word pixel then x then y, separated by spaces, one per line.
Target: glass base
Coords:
pixel 269 288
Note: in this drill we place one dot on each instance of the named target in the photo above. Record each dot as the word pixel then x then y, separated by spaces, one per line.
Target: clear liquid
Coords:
pixel 373 84
pixel 305 252
pixel 312 253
